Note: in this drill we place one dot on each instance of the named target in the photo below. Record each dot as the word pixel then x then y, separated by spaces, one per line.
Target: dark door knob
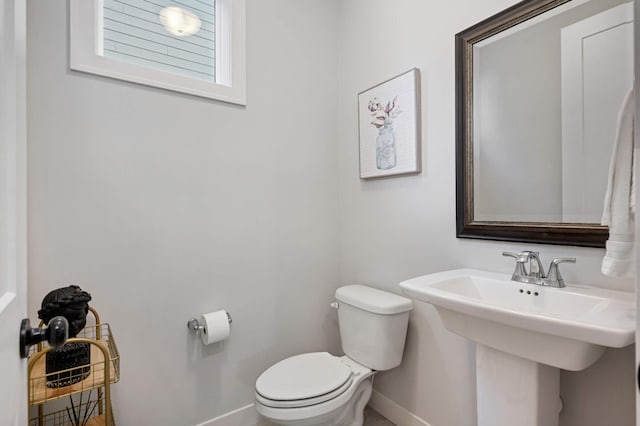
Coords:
pixel 55 333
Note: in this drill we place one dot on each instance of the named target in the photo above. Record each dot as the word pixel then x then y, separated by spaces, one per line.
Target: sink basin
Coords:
pixel 568 328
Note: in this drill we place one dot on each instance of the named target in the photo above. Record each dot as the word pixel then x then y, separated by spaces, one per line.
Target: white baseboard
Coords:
pixel 248 416
pixel 245 416
pixel 392 411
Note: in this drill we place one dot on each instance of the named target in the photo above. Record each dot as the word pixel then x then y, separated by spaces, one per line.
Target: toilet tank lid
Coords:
pixel 373 300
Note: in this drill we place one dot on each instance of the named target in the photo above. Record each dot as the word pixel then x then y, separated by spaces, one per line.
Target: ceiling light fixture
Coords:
pixel 179 22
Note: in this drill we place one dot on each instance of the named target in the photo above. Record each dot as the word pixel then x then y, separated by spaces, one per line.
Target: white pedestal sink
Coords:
pixel 524 333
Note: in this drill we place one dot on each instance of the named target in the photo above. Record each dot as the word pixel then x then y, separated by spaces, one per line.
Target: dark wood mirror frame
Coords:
pixel 576 234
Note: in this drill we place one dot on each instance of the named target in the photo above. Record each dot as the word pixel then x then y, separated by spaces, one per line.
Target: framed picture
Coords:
pixel 389 127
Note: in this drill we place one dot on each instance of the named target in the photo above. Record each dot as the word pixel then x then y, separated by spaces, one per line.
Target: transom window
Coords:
pixel 190 46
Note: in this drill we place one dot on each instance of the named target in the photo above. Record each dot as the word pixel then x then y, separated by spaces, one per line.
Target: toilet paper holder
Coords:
pixel 194 325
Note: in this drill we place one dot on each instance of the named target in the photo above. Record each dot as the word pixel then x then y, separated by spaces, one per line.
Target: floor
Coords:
pixel 373 418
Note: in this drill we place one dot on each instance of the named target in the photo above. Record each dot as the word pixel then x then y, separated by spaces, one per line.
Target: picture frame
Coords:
pixel 389 127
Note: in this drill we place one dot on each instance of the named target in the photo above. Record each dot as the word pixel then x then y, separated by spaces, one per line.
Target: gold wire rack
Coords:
pixel 46 387
pixel 62 417
pixel 102 371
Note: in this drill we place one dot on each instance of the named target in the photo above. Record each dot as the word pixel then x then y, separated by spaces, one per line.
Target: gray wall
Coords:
pixel 164 206
pixel 403 227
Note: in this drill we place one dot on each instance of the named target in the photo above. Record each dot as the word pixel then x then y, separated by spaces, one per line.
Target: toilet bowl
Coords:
pixel 322 389
pixel 314 389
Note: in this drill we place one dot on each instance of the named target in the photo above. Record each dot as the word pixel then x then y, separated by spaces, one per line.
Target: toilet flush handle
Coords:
pixel 334 305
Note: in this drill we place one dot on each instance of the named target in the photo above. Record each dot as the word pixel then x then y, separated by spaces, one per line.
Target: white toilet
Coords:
pixel 321 389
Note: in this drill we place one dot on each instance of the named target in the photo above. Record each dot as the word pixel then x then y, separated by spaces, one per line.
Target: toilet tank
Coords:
pixel 373 325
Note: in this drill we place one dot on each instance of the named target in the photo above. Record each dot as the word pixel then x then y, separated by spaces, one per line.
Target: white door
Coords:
pixel 636 14
pixel 597 73
pixel 13 401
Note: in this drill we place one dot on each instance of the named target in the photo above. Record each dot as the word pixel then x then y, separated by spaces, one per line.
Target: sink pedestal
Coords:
pixel 515 391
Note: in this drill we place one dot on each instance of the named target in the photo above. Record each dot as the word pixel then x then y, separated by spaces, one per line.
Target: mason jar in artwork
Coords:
pixel 386 148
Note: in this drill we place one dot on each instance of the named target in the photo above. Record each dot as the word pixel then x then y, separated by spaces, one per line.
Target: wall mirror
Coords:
pixel 538 90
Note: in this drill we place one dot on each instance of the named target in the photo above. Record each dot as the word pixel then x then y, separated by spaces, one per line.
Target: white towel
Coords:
pixel 619 200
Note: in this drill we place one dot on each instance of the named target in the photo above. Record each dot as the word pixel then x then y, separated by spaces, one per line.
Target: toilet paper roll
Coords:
pixel 216 326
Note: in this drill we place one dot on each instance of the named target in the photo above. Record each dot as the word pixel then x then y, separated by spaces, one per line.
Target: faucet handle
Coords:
pixel 559 260
pixel 554 276
pixel 519 257
pixel 521 260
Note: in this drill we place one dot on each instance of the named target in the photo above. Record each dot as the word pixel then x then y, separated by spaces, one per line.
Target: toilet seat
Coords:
pixel 303 380
pixel 320 413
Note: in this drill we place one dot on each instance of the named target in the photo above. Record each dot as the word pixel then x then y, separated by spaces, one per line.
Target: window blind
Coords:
pixel 133 33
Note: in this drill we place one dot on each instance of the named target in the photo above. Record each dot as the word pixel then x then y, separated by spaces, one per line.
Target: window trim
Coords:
pixel 86 47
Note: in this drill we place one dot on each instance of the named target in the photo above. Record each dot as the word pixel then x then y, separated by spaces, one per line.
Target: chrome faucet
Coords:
pixel 535 274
